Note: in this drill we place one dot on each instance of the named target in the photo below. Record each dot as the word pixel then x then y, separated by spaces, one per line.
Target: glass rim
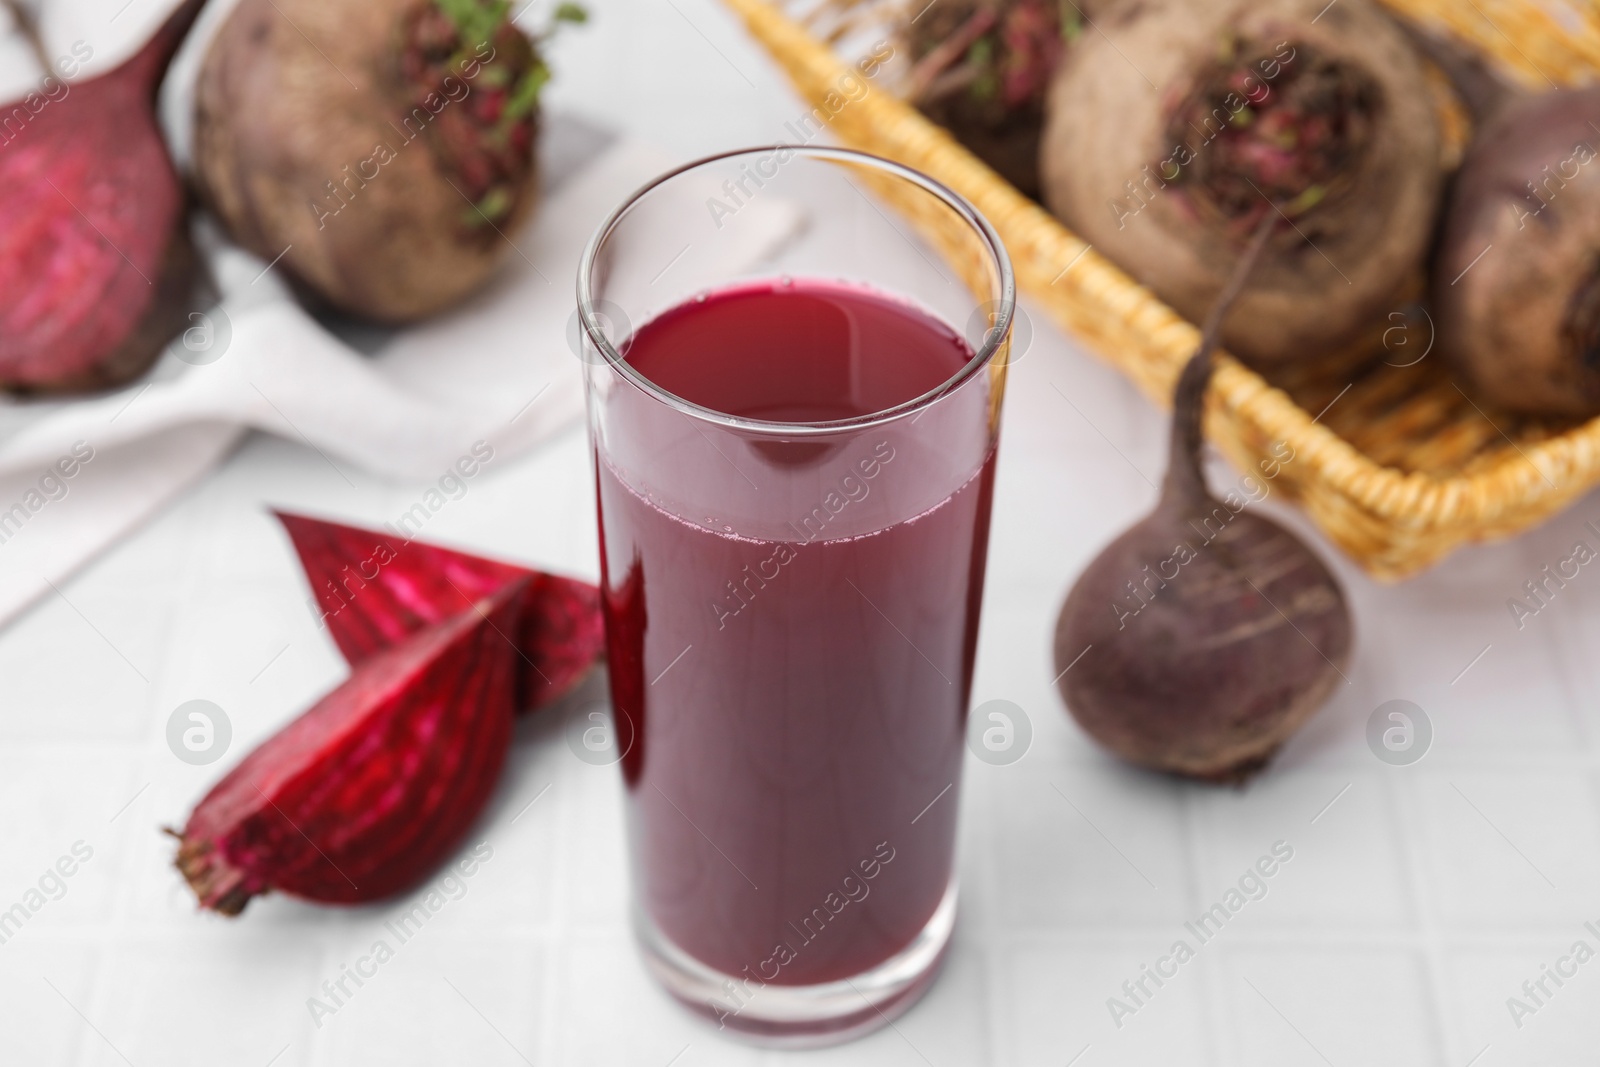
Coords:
pixel 588 308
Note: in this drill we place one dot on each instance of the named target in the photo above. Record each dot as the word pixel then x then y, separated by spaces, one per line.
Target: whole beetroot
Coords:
pixel 1169 133
pixel 384 149
pixel 95 261
pixel 1199 640
pixel 1517 280
pixel 981 69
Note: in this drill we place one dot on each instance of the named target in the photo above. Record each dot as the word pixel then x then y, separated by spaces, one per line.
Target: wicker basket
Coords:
pixel 1403 467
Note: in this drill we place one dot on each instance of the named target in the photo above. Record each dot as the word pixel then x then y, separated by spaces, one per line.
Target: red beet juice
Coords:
pixel 791 673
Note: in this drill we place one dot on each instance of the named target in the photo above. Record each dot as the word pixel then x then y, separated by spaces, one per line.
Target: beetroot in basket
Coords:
pixel 1171 133
pixel 1517 283
pixel 981 69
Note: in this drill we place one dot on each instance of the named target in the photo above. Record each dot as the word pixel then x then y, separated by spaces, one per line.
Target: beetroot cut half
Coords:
pixel 95 259
pixel 373 589
pixel 370 790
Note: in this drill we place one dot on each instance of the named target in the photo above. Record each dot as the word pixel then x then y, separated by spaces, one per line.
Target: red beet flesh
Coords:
pixel 366 793
pixel 376 589
pixel 91 232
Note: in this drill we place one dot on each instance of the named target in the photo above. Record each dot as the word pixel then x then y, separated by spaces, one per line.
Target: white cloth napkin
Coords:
pixel 77 474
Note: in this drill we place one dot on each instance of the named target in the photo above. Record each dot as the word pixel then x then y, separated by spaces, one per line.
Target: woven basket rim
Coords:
pixel 1511 490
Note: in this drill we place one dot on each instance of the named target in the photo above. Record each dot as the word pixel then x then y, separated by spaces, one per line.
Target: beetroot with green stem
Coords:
pixel 385 149
pixel 1171 129
pixel 1199 640
pixel 980 68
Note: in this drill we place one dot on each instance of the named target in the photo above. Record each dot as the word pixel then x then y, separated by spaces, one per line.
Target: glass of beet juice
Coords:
pixel 794 465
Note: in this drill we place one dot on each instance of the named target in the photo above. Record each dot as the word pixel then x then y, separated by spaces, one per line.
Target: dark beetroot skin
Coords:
pixel 385 149
pixel 368 792
pixel 1517 281
pixel 94 258
pixel 1211 633
pixel 374 590
pixel 981 69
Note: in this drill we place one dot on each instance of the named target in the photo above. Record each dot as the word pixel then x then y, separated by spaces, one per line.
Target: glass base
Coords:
pixel 802 1016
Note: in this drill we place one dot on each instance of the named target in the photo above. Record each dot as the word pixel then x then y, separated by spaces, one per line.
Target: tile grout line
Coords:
pixel 1486 760
pixel 1209 988
pixel 136 749
pixel 990 952
pixel 317 1053
pixel 1229 1026
pixel 556 953
pixel 1084 935
pixel 1403 798
pixel 1568 679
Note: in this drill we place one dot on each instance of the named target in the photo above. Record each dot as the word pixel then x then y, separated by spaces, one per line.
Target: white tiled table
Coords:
pixel 1414 906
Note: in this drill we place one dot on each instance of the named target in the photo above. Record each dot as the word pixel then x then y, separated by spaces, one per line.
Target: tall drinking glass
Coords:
pixel 794 464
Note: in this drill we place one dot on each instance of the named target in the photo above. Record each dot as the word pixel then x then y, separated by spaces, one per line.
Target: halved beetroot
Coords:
pixel 374 589
pixel 95 260
pixel 369 791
